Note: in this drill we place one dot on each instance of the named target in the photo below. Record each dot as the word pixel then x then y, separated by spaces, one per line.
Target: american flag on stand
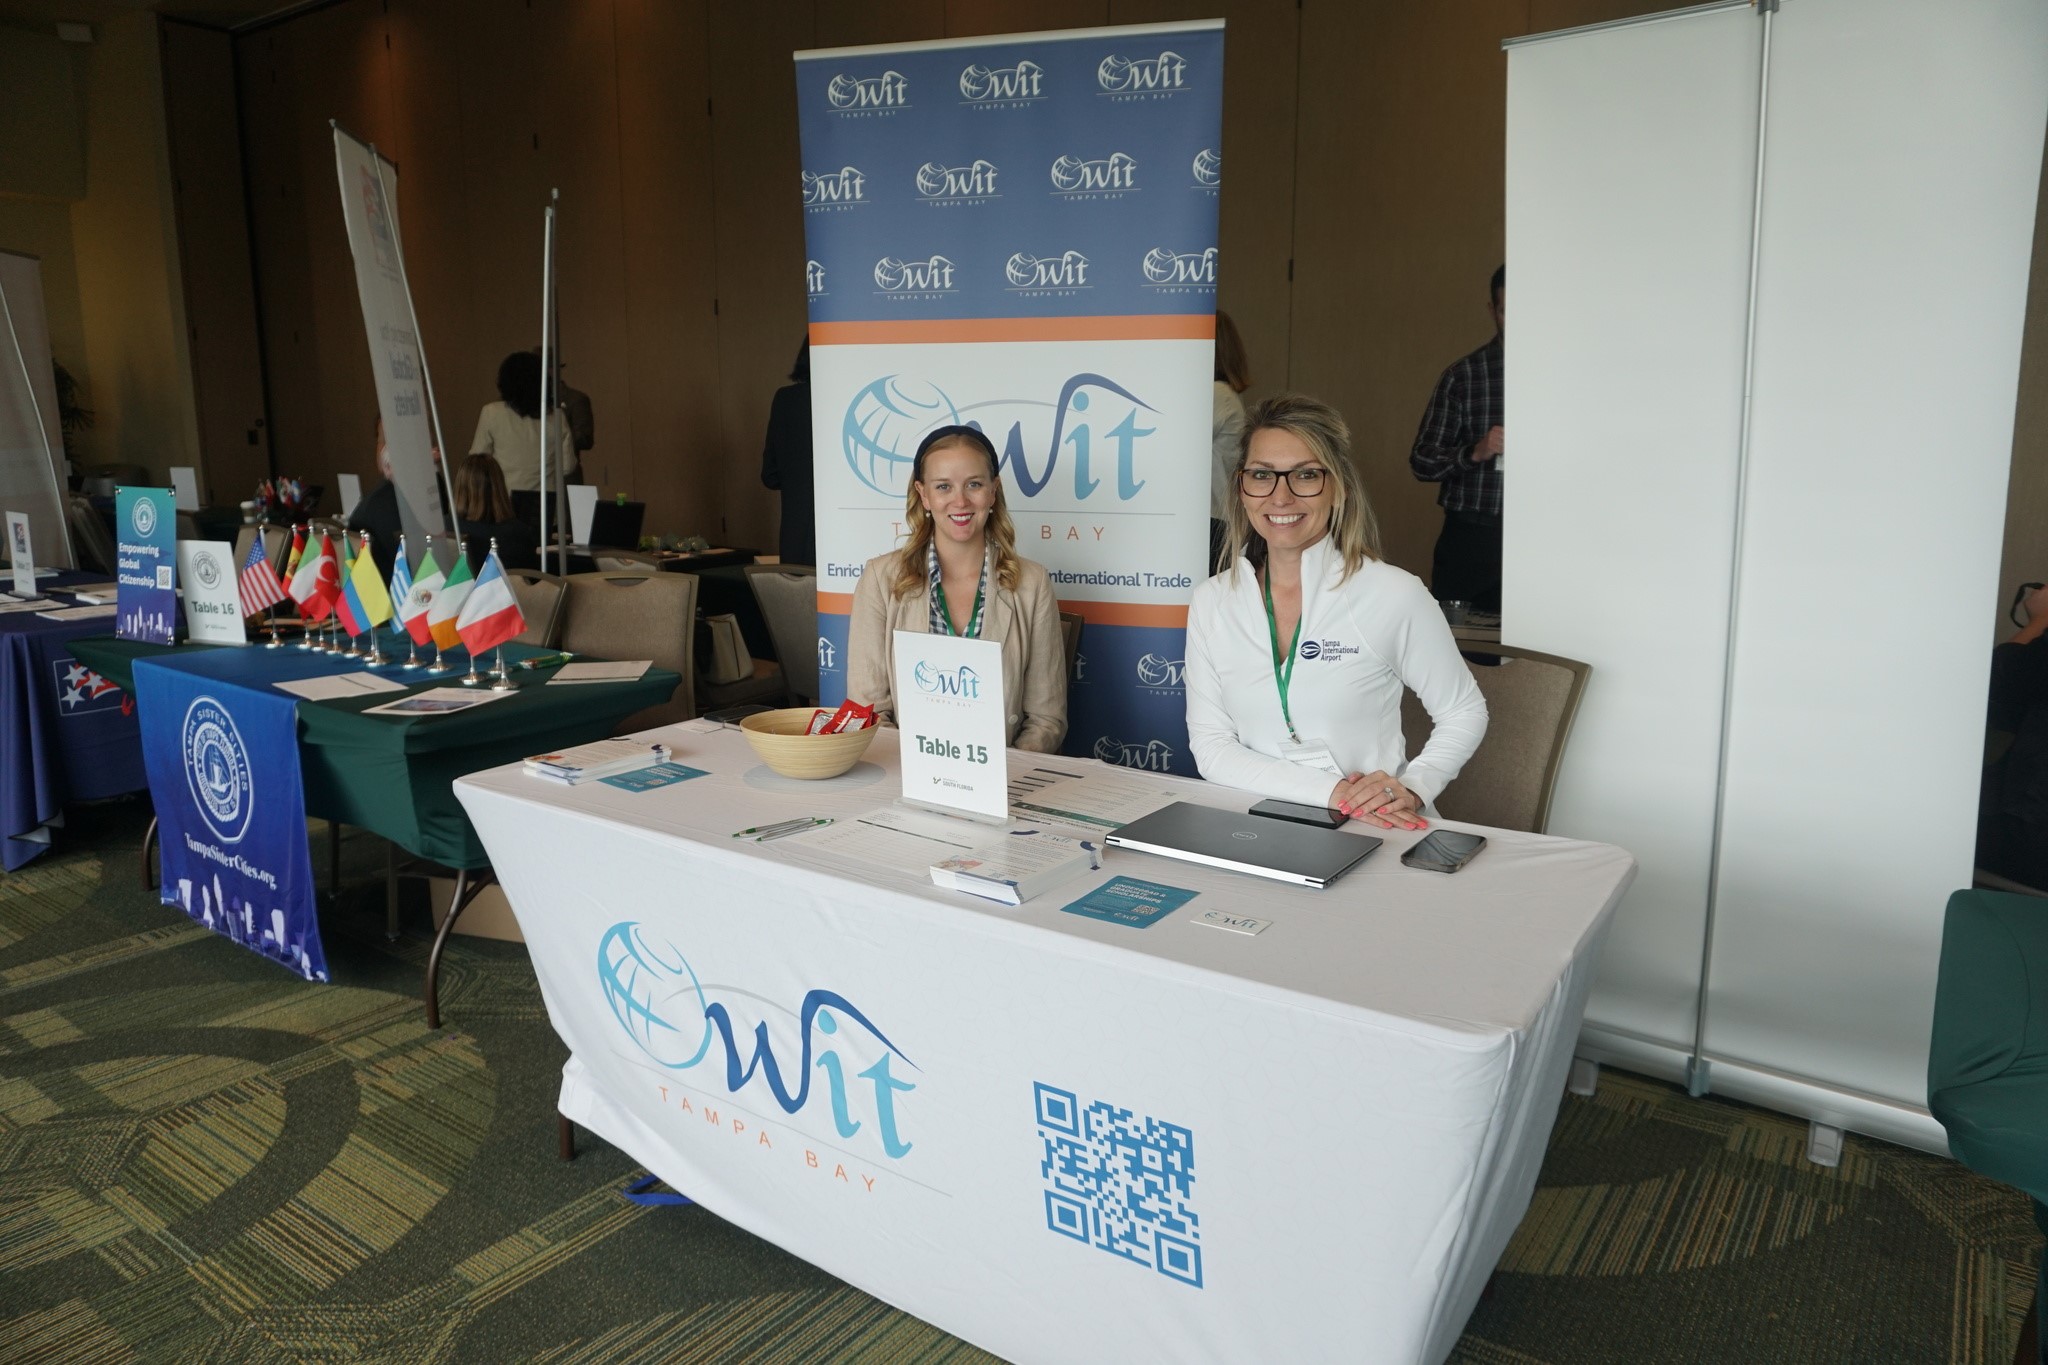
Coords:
pixel 258 583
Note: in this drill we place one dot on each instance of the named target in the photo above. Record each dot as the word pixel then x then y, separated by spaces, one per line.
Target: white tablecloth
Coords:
pixel 1061 1138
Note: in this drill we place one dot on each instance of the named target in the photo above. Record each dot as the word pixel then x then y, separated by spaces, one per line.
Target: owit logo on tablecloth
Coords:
pixel 143 518
pixel 1180 272
pixel 1053 276
pixel 1151 755
pixel 928 279
pixel 1208 169
pixel 1107 177
pixel 940 184
pixel 1158 673
pixel 1119 1181
pixel 217 770
pixel 840 189
pixel 1094 420
pixel 994 87
pixel 673 1020
pixel 883 94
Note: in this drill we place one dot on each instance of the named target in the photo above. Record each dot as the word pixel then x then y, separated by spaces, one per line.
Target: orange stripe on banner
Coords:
pixel 1144 327
pixel 1101 613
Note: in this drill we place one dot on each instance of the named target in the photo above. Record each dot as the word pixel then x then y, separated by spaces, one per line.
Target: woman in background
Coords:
pixel 485 510
pixel 509 429
pixel 786 462
pixel 1299 649
pixel 1226 419
pixel 959 574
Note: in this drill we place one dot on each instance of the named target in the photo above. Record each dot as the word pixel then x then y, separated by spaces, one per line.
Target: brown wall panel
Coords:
pixel 973 18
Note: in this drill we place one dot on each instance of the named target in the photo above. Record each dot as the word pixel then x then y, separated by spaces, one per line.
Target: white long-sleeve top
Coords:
pixel 1362 640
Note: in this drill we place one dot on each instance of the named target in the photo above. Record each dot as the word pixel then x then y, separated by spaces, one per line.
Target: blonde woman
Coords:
pixel 1298 651
pixel 959 574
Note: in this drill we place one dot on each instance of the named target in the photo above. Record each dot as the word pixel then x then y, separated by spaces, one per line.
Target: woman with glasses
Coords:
pixel 959 574
pixel 1298 651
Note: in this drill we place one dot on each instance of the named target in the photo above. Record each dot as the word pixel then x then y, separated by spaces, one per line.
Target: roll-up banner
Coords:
pixel 368 186
pixel 1019 233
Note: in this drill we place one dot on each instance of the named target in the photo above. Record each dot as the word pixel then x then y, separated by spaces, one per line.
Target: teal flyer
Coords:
pixel 652 779
pixel 1126 900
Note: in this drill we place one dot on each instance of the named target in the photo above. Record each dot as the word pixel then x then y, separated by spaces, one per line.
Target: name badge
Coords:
pixel 1311 753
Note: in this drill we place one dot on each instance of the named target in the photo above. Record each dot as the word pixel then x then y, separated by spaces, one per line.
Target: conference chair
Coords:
pixel 1531 699
pixel 540 597
pixel 637 616
pixel 89 535
pixel 765 686
pixel 1070 638
pixel 1987 1064
pixel 788 597
pixel 275 541
pixel 626 561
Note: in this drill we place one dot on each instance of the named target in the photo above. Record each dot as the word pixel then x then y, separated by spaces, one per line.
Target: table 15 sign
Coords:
pixel 949 701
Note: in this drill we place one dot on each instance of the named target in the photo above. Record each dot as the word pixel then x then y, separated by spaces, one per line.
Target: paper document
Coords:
pixel 437 701
pixel 627 670
pixel 98 597
pixel 339 685
pixel 899 840
pixel 1103 797
pixel 34 604
pixel 78 613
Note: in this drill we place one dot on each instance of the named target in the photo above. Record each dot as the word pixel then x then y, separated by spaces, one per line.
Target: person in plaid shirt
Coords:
pixel 1459 447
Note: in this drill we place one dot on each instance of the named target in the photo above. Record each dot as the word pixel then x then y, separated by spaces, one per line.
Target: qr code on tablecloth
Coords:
pixel 1120 1182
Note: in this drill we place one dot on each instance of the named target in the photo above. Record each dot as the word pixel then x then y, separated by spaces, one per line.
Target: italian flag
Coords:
pixel 490 615
pixel 447 605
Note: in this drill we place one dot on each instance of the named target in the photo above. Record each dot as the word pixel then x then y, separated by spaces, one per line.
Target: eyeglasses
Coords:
pixel 1306 481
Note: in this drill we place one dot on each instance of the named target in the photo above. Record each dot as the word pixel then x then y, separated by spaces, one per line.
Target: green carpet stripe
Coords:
pixel 101 955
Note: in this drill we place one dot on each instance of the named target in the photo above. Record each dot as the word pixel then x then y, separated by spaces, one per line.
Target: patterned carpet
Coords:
pixel 205 1159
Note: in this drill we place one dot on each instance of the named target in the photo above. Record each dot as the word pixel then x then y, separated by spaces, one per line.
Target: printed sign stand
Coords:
pixel 213 598
pixel 23 558
pixel 145 567
pixel 950 708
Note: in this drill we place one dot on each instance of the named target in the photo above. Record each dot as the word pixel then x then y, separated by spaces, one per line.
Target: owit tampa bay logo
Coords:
pixel 947 684
pixel 1093 428
pixel 682 1026
pixel 1208 169
pixel 1102 177
pixel 1130 78
pixel 926 279
pixel 1153 755
pixel 942 185
pixel 1048 275
pixel 1157 673
pixel 1000 86
pixel 883 94
pixel 143 517
pixel 1181 272
pixel 830 191
pixel 217 770
pixel 814 279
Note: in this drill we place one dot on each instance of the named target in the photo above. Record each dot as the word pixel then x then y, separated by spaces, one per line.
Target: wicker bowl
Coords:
pixel 779 738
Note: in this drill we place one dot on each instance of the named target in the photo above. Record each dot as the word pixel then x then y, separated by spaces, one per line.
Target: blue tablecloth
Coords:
pixel 66 734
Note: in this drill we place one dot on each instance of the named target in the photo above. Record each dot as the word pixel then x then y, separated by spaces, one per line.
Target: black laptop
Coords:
pixel 1257 844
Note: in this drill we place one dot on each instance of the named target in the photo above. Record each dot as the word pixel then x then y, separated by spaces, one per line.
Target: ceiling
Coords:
pixel 43 15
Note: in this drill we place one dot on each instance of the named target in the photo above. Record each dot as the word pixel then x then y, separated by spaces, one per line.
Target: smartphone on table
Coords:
pixel 1443 850
pixel 1322 817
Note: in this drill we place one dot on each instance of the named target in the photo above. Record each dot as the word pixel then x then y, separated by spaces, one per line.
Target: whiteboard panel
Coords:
pixel 1901 159
pixel 1630 176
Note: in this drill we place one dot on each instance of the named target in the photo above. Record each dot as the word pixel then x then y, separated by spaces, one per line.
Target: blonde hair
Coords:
pixel 911 574
pixel 1232 367
pixel 1353 528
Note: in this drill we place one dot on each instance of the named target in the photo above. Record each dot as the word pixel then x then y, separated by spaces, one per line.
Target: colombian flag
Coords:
pixel 365 605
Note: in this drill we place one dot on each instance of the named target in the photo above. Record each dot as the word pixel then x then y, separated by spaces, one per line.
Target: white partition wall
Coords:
pixel 32 467
pixel 1804 505
pixel 1631 163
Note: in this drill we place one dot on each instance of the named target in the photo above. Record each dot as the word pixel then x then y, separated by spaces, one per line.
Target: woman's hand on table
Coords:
pixel 1378 799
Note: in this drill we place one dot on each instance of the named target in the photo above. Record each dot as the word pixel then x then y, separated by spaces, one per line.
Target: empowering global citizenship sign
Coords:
pixel 1020 234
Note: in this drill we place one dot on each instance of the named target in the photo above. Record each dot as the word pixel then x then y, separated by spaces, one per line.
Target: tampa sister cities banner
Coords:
pixel 1020 234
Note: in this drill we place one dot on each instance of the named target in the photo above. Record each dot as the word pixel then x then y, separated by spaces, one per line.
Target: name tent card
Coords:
pixel 213 597
pixel 23 557
pixel 145 569
pixel 950 708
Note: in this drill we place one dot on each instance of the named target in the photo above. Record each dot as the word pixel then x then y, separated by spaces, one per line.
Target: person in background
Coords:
pixel 1317 720
pixel 1459 447
pixel 575 406
pixel 2012 814
pixel 377 513
pixel 509 429
pixel 786 462
pixel 485 509
pixel 959 574
pixel 1226 417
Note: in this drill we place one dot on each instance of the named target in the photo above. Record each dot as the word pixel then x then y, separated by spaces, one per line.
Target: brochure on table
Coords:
pixel 22 555
pixel 145 568
pixel 950 708
pixel 213 597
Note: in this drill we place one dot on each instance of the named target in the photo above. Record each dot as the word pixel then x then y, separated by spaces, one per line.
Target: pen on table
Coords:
pixel 545 660
pixel 769 829
pixel 795 829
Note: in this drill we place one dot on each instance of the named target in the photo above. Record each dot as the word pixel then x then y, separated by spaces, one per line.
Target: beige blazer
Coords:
pixel 1026 621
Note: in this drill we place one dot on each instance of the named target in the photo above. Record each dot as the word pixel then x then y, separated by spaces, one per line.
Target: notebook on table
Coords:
pixel 1255 844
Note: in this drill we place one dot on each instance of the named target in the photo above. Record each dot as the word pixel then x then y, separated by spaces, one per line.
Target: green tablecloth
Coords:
pixel 394 774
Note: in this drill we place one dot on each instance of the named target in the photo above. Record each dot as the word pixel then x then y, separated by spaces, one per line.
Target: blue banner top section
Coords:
pixel 1041 177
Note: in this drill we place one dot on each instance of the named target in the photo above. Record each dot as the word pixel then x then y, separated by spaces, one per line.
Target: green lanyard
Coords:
pixel 973 630
pixel 1282 677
